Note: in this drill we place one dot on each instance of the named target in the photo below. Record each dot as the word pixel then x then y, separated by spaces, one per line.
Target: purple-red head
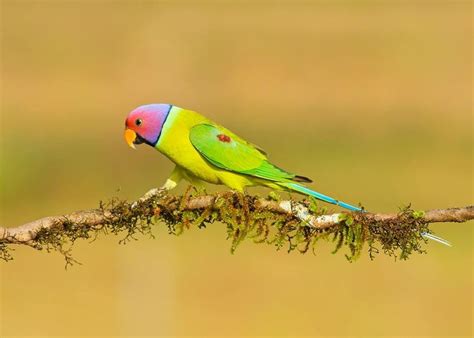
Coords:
pixel 145 123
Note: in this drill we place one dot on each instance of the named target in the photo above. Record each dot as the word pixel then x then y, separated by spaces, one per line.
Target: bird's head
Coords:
pixel 145 123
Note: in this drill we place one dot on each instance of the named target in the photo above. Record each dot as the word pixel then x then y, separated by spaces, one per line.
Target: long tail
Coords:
pixel 306 191
pixel 436 238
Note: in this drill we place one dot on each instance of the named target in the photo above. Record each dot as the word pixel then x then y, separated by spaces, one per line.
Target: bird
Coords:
pixel 203 150
pixel 206 151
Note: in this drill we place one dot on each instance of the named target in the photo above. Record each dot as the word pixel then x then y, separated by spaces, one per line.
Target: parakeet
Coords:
pixel 205 151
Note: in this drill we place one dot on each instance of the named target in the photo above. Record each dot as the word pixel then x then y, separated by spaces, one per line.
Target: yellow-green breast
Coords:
pixel 176 145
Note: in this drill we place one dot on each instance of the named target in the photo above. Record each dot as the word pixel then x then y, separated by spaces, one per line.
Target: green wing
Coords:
pixel 227 151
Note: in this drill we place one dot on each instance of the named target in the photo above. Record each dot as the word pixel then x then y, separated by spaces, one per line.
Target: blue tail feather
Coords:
pixel 302 189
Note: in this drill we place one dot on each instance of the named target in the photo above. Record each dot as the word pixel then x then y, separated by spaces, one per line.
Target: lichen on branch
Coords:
pixel 291 225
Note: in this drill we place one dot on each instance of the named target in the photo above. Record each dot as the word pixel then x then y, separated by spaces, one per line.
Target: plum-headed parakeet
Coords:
pixel 205 151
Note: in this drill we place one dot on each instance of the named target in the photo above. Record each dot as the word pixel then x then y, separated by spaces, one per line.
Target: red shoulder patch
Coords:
pixel 224 138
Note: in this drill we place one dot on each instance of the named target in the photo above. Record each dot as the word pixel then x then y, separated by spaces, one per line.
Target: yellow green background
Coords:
pixel 372 99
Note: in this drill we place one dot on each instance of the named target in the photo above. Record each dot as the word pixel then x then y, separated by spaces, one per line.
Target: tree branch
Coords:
pixel 297 224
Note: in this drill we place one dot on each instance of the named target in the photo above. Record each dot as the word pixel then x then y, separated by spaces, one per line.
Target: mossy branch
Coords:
pixel 294 225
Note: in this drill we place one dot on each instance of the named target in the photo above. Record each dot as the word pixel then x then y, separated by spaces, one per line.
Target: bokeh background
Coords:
pixel 372 99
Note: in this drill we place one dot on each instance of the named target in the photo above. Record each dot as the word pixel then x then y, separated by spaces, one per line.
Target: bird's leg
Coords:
pixel 200 189
pixel 169 184
pixel 197 184
pixel 175 177
pixel 186 196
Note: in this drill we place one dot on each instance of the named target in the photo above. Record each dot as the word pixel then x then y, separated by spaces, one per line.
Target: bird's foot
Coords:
pixel 200 189
pixel 152 193
pixel 149 195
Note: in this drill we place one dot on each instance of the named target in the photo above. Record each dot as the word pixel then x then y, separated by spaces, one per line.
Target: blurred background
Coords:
pixel 371 99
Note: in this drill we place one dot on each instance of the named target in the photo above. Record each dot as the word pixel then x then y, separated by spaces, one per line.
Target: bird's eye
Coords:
pixel 138 122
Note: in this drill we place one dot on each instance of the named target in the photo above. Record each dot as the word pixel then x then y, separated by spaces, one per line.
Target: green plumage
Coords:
pixel 206 151
pixel 235 154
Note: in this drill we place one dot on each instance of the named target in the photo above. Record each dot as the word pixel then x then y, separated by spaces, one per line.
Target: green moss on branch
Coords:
pixel 246 217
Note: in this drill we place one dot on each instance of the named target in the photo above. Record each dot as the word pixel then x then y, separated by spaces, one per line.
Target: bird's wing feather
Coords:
pixel 227 151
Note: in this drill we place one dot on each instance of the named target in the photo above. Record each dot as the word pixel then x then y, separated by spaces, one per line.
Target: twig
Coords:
pixel 175 210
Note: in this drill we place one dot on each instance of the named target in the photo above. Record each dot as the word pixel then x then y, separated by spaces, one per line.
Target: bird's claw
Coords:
pixel 152 193
pixel 149 195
